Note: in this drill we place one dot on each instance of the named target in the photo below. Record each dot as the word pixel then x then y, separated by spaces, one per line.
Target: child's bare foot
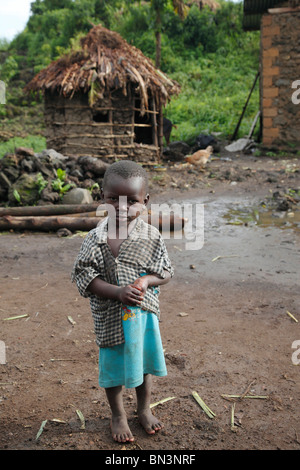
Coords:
pixel 120 429
pixel 150 423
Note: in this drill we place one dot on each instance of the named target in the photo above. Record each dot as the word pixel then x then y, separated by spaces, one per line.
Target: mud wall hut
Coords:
pixel 104 100
pixel 279 24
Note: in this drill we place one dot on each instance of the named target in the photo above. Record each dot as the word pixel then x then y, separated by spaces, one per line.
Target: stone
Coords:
pixel 27 188
pixel 63 232
pixel 93 165
pixel 12 173
pixel 9 160
pixel 4 181
pixel 24 151
pixel 78 196
pixel 179 146
pixel 176 151
pixel 50 196
pixel 50 156
pixel 28 165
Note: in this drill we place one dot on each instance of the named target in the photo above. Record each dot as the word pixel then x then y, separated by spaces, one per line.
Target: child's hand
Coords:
pixel 130 295
pixel 141 283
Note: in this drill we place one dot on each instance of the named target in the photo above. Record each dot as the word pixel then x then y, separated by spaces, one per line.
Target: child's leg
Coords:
pixel 143 393
pixel 119 424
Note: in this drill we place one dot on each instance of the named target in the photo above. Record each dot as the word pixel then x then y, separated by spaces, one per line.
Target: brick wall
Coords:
pixel 280 67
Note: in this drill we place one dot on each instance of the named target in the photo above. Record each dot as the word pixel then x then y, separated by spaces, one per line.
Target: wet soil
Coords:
pixel 224 326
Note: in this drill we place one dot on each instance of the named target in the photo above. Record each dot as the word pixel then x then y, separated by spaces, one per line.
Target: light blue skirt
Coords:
pixel 142 353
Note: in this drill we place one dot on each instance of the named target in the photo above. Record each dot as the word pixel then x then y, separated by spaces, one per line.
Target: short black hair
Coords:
pixel 126 169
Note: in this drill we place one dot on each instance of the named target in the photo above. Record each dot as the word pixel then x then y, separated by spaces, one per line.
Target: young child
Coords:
pixel 120 267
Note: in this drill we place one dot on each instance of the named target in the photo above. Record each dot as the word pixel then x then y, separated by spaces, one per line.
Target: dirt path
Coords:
pixel 224 327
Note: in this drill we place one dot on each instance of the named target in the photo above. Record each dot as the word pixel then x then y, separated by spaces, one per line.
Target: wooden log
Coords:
pixel 56 209
pixel 48 223
pixel 53 223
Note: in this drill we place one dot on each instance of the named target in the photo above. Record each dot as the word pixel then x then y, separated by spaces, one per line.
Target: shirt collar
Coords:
pixel 101 230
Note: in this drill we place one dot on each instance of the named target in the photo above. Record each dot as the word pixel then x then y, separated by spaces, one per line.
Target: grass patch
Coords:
pixel 36 142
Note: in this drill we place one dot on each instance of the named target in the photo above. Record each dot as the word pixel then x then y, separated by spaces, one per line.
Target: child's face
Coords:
pixel 125 198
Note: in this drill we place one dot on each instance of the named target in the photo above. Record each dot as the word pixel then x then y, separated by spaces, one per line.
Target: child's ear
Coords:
pixel 146 200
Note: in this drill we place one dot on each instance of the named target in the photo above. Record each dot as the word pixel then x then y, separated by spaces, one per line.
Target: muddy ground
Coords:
pixel 224 325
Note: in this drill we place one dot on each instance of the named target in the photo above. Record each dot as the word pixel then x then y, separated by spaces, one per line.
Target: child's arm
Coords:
pixel 151 280
pixel 129 295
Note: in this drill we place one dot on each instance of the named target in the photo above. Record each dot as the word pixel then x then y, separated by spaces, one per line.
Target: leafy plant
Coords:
pixel 59 184
pixel 41 182
pixel 17 196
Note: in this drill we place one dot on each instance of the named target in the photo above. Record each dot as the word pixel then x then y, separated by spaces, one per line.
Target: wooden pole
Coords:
pixel 245 107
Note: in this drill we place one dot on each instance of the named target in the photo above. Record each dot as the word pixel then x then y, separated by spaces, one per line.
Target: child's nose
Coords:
pixel 123 203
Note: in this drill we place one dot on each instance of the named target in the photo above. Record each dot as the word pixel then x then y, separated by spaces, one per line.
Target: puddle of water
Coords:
pixel 264 218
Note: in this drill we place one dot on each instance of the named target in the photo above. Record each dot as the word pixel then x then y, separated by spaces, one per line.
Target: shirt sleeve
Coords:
pixel 162 263
pixel 88 265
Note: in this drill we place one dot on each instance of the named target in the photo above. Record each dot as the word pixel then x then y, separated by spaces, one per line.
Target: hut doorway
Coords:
pixel 145 125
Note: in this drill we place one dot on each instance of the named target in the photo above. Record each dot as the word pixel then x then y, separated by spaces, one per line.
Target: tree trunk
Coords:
pixel 158 39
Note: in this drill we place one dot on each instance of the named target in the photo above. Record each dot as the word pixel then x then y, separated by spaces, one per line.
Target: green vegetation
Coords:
pixel 59 184
pixel 206 51
pixel 36 142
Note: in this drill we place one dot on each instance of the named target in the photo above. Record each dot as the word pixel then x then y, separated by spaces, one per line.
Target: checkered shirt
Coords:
pixel 143 251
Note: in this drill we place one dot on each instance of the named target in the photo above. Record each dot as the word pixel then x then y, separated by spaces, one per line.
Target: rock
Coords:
pixel 230 174
pixel 176 151
pixel 3 194
pixel 9 160
pixel 12 173
pixel 50 196
pixel 50 156
pixel 24 151
pixel 93 165
pixel 76 173
pixel 78 196
pixel 88 183
pixel 4 181
pixel 28 165
pixel 63 232
pixel 27 188
pixel 283 205
pixel 179 146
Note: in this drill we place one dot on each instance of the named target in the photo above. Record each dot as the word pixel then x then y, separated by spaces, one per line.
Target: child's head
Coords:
pixel 126 169
pixel 125 188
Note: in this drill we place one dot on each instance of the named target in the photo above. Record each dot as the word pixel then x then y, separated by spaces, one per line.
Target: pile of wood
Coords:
pixel 50 218
pixel 83 217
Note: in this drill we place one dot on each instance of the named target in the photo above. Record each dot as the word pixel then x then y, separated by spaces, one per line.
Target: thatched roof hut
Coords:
pixel 105 99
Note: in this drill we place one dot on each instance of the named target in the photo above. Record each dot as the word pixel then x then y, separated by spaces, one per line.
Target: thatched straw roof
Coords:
pixel 105 62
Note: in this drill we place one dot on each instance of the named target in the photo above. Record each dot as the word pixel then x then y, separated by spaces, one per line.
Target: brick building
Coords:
pixel 279 24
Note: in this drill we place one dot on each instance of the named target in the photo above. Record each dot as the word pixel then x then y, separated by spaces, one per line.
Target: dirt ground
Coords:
pixel 224 326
